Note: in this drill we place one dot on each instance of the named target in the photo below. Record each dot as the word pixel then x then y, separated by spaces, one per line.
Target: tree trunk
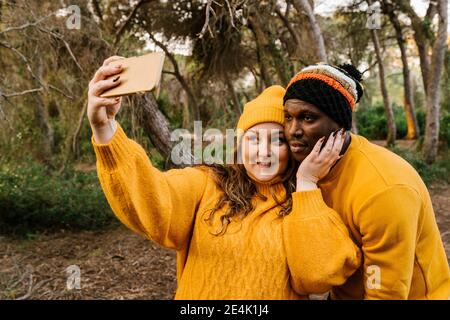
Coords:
pixel 153 122
pixel 46 128
pixel 387 104
pixel 263 60
pixel 422 36
pixel 76 136
pixel 304 7
pixel 186 116
pixel 293 42
pixel 236 103
pixel 268 51
pixel 42 117
pixel 430 146
pixel 424 62
pixel 72 141
pixel 410 113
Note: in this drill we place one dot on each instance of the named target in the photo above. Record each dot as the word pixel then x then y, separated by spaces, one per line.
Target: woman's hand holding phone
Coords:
pixel 102 111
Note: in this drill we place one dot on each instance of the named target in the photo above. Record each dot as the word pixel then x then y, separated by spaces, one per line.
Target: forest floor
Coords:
pixel 114 263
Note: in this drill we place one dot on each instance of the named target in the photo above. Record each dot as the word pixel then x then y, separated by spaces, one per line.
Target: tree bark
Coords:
pixel 410 113
pixel 292 48
pixel 304 7
pixel 263 60
pixel 232 92
pixel 268 51
pixel 422 36
pixel 431 141
pixel 42 117
pixel 41 114
pixel 154 123
pixel 97 10
pixel 387 104
pixel 76 135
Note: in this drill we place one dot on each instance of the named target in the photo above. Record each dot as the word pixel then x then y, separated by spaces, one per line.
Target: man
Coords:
pixel 381 198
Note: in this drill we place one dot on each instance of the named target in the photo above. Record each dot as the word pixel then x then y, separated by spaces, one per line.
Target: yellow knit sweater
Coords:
pixel 389 213
pixel 262 256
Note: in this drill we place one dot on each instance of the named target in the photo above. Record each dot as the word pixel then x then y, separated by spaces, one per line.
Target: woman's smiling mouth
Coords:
pixel 264 164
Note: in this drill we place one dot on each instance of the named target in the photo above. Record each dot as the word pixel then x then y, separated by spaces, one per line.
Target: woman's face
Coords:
pixel 265 152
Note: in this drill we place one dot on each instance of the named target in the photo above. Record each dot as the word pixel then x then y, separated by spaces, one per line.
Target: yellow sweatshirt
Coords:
pixel 388 210
pixel 262 256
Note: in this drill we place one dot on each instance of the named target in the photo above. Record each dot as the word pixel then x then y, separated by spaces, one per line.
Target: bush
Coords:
pixel 33 199
pixel 444 128
pixel 372 122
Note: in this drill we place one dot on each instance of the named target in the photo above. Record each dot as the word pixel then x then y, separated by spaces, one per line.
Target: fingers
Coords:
pixel 99 87
pixel 105 71
pixel 328 145
pixel 337 146
pixel 106 102
pixel 111 59
pixel 333 147
pixel 339 143
pixel 318 145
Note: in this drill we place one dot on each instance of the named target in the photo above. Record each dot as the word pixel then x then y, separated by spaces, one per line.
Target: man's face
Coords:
pixel 304 124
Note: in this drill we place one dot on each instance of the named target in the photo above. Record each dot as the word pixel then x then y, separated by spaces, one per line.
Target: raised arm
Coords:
pixel 158 205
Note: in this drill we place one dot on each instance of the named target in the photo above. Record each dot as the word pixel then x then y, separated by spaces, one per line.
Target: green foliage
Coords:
pixel 444 128
pixel 33 199
pixel 175 118
pixel 372 122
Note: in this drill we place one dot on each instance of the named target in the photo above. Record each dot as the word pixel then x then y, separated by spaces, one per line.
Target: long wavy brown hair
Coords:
pixel 239 189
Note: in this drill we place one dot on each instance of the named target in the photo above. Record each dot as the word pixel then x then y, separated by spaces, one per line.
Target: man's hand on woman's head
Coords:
pixel 102 111
pixel 319 162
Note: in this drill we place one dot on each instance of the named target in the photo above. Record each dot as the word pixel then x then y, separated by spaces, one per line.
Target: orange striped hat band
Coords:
pixel 329 81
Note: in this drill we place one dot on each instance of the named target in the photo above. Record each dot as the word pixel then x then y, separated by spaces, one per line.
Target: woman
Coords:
pixel 237 228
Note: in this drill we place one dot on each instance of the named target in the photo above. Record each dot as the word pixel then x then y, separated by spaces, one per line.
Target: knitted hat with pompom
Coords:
pixel 333 89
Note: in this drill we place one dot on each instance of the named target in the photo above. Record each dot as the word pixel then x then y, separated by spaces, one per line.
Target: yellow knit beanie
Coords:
pixel 267 107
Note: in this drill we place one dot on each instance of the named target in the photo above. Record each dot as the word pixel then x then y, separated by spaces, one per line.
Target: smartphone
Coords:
pixel 139 74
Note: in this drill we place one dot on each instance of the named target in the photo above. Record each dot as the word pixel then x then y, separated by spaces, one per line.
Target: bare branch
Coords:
pixel 30 290
pixel 27 25
pixel 60 92
pixel 370 67
pixel 230 10
pixel 432 9
pixel 97 10
pixel 25 60
pixel 177 74
pixel 60 37
pixel 15 94
pixel 169 72
pixel 288 25
pixel 206 24
pixel 130 16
